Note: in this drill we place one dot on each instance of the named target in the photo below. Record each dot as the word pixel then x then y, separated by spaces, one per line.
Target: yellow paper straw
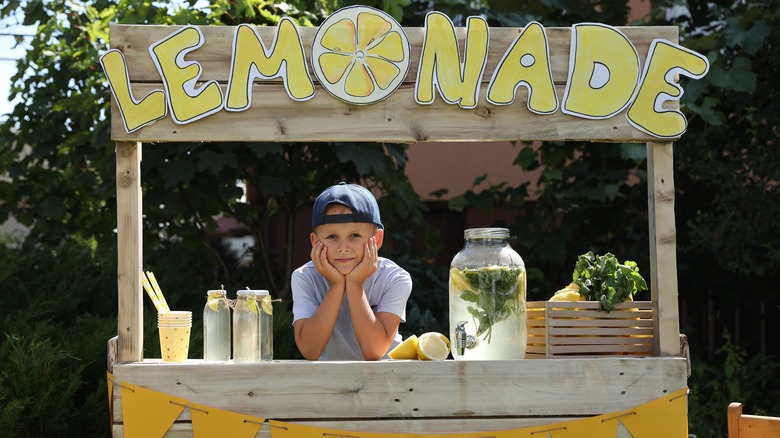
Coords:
pixel 163 303
pixel 151 293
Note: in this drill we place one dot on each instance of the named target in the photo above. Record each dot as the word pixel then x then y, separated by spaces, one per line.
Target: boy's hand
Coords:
pixel 319 255
pixel 367 266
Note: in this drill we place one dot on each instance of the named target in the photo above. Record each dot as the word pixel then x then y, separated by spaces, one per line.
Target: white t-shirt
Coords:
pixel 387 290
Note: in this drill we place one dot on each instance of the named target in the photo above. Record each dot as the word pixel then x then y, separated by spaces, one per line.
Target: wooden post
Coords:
pixel 130 328
pixel 663 249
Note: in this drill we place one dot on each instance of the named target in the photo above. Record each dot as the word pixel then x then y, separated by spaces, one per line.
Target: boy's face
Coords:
pixel 345 242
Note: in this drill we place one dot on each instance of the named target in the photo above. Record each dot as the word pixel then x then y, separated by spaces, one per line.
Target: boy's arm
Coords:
pixel 312 334
pixel 374 333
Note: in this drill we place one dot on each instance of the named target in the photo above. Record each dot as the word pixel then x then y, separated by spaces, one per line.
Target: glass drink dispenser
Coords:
pixel 487 298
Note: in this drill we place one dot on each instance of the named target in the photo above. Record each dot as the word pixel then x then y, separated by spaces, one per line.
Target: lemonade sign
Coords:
pixel 361 55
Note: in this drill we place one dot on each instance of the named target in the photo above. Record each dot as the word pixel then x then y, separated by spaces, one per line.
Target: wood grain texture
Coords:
pixel 130 329
pixel 301 390
pixel 273 116
pixel 215 53
pixel 663 249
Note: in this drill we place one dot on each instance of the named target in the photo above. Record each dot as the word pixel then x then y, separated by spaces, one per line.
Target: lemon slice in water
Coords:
pixel 458 280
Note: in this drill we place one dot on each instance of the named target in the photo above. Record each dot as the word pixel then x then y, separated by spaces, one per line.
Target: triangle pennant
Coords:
pixel 666 416
pixel 623 431
pixel 110 380
pixel 209 422
pixel 147 413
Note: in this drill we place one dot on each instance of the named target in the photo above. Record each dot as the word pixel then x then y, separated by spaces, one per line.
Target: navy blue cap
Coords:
pixel 357 198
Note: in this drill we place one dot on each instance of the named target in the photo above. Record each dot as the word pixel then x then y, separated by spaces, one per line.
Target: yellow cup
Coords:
pixel 174 339
pixel 175 315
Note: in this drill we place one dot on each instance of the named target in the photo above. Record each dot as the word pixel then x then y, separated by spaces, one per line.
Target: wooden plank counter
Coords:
pixel 409 396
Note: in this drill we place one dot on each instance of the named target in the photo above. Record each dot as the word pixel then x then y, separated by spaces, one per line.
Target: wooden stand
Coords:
pixel 393 396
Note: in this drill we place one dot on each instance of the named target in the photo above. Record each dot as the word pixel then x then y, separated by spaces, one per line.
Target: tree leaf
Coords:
pixel 740 77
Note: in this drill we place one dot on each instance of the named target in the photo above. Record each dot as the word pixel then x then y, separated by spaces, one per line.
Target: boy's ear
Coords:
pixel 313 238
pixel 380 237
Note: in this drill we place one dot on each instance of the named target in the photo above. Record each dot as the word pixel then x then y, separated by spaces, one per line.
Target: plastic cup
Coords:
pixel 174 335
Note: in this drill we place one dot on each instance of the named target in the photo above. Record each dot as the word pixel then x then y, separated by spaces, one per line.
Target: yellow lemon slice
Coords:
pixel 360 55
pixel 267 307
pixel 405 350
pixel 458 280
pixel 433 346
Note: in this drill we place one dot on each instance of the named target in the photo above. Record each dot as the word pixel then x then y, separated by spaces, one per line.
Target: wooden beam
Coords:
pixel 663 249
pixel 397 119
pixel 130 328
pixel 412 389
pixel 274 116
pixel 215 53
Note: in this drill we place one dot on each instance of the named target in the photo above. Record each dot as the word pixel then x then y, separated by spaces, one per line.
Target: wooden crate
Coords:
pixel 576 329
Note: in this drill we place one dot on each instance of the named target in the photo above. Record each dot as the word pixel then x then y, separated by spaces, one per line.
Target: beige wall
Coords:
pixel 454 166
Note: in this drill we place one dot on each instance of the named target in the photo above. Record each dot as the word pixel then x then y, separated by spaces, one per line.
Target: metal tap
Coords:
pixel 462 340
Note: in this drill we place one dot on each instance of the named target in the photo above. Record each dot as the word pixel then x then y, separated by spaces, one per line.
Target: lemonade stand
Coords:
pixel 362 77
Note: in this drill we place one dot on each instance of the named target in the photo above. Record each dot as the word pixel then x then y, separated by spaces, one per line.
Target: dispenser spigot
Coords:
pixel 462 340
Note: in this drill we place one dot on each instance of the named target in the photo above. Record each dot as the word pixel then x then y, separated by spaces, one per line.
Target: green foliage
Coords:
pixel 41 377
pixel 56 319
pixel 730 376
pixel 732 140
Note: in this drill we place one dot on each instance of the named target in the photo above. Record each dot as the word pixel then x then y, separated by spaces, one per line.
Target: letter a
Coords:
pixel 526 63
pixel 440 65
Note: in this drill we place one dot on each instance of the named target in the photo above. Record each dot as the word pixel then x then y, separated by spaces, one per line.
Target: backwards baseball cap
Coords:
pixel 357 198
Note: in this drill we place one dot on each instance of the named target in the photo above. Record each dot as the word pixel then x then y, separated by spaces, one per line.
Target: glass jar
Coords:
pixel 216 327
pixel 246 328
pixel 266 325
pixel 487 298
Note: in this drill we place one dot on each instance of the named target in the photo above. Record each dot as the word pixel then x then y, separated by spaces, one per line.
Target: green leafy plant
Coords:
pixel 604 279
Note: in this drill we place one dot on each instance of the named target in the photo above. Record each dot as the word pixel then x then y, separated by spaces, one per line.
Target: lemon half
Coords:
pixel 433 346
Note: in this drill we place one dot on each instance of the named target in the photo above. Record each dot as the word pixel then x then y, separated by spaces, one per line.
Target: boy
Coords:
pixel 348 301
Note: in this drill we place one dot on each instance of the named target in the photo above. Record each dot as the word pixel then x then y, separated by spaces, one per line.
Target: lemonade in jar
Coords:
pixel 487 289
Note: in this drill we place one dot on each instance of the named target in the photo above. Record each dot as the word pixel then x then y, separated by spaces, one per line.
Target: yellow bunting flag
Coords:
pixel 147 413
pixel 666 416
pixel 210 422
pixel 110 378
